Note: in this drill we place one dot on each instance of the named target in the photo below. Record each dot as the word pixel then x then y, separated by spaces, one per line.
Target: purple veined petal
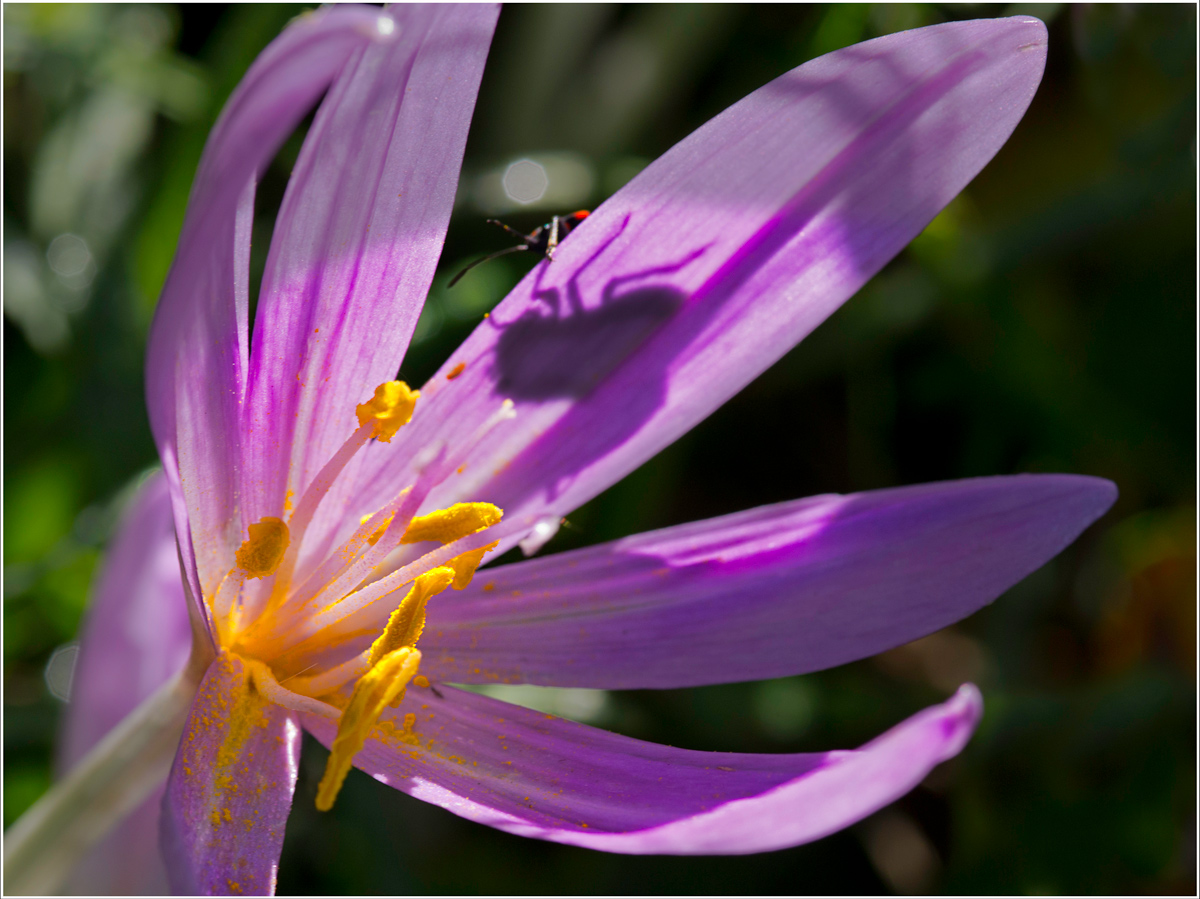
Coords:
pixel 357 242
pixel 197 354
pixel 230 788
pixel 136 635
pixel 715 261
pixel 772 592
pixel 539 776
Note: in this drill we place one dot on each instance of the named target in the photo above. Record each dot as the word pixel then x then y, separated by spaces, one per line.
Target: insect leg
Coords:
pixel 482 259
pixel 553 241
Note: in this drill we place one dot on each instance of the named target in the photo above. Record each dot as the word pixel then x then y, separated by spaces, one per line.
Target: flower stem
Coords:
pixel 43 845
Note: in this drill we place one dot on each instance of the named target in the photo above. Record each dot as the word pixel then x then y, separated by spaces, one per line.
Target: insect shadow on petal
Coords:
pixel 566 350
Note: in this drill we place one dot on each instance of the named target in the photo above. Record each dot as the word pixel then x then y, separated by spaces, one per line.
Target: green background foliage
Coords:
pixel 1044 322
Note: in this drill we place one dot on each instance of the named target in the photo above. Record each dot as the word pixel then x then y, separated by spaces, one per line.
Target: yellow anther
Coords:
pixel 390 409
pixel 464 566
pixel 374 690
pixel 448 525
pixel 405 625
pixel 262 552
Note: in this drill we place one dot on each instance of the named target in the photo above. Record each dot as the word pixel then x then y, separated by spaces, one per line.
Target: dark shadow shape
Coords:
pixel 564 353
pixel 568 350
pixel 541 357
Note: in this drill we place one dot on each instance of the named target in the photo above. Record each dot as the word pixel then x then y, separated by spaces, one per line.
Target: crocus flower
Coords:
pixel 329 520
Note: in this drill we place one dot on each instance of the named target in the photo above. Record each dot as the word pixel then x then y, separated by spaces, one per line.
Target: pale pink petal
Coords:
pixel 356 244
pixel 197 355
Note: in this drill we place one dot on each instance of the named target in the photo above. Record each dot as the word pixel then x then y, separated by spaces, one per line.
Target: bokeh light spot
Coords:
pixel 526 181
pixel 60 671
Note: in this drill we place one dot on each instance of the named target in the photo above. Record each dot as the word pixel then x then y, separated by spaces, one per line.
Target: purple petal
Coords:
pixel 136 635
pixel 197 354
pixel 230 788
pixel 771 592
pixel 357 242
pixel 539 776
pixel 136 632
pixel 716 260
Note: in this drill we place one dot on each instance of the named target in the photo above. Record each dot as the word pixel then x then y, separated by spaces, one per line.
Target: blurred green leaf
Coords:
pixel 23 784
pixel 40 502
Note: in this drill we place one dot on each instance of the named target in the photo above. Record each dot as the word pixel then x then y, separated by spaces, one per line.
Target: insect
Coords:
pixel 543 239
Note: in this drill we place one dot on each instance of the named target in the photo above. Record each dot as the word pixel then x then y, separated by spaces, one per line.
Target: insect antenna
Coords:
pixel 511 230
pixel 483 259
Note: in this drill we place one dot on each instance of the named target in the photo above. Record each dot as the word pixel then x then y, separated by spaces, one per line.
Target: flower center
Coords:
pixel 302 622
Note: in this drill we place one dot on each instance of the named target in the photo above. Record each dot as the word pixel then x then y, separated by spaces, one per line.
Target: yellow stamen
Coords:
pixel 390 409
pixel 448 525
pixel 374 691
pixel 464 566
pixel 261 553
pixel 405 626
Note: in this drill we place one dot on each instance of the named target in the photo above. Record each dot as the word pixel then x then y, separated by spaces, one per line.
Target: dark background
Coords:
pixel 1044 322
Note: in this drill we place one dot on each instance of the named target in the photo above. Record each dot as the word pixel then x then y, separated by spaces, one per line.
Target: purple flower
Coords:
pixel 317 524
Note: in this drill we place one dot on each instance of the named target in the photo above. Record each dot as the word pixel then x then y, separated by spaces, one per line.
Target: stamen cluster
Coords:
pixel 307 632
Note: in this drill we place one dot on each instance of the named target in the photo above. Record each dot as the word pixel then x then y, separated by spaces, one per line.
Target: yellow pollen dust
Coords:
pixel 405 626
pixel 379 531
pixel 262 552
pixel 448 525
pixel 374 690
pixel 390 409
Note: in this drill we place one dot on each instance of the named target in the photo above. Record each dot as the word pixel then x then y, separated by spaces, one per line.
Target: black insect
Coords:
pixel 543 239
